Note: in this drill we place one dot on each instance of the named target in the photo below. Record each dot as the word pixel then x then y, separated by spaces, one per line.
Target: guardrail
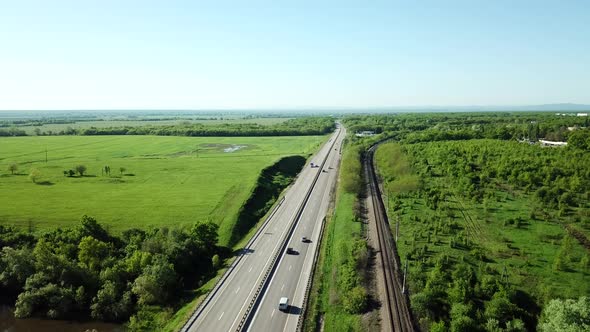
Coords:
pixel 221 280
pixel 301 318
pixel 264 283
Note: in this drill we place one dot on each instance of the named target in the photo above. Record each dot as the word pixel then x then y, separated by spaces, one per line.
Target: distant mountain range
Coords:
pixel 564 107
pixel 547 107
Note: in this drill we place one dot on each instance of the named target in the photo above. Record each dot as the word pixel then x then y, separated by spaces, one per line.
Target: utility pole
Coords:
pixel 405 275
pixel 46 154
pixel 396 227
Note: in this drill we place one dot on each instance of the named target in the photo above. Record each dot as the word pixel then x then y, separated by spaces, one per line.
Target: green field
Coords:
pixel 57 127
pixel 166 181
pixel 500 231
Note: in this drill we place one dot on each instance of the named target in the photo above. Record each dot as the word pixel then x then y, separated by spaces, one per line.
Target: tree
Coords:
pixel 500 308
pixel 205 234
pixel 156 283
pixel 13 168
pixel 92 252
pixel 122 169
pixel 15 266
pixel 566 315
pixel 579 139
pixel 438 327
pixel 90 227
pixel 34 175
pixel 81 169
pixel 356 300
pixel 110 304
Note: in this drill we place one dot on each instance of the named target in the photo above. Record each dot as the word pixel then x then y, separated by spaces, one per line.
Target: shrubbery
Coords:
pixel 88 272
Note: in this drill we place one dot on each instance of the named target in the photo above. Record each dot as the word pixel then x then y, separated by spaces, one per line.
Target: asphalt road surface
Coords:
pixel 291 277
pixel 227 304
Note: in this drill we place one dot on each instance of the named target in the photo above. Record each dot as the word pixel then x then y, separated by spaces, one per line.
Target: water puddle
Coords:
pixel 233 148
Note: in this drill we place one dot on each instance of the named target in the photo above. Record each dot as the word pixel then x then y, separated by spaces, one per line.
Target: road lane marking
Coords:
pixel 282 287
pixel 250 270
pixel 237 290
pixel 260 275
pixel 273 312
pixel 221 315
pixel 290 266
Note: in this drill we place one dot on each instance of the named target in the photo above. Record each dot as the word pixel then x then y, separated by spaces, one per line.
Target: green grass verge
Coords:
pixel 326 307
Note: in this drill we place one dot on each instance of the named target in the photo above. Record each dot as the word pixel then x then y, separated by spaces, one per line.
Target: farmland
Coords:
pixel 153 181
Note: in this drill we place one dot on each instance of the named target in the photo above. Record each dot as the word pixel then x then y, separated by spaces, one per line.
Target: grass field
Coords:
pixel 167 180
pixel 525 252
pixel 55 128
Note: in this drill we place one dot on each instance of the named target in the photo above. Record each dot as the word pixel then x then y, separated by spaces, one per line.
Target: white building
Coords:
pixel 551 143
pixel 365 133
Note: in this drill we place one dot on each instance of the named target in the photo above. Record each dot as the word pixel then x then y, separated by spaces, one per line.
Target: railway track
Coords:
pixel 398 316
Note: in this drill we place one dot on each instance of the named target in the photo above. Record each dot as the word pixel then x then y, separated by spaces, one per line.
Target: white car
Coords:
pixel 284 303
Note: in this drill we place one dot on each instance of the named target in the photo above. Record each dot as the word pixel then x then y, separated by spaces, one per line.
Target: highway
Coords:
pixel 231 301
pixel 293 271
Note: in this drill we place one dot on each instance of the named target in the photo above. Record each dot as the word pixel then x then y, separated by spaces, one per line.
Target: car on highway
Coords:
pixel 304 239
pixel 290 251
pixel 284 304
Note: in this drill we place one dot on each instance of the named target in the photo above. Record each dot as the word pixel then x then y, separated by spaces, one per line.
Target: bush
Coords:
pixel 356 300
pixel 81 169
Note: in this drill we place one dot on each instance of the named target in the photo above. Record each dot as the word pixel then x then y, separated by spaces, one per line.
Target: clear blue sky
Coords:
pixel 124 54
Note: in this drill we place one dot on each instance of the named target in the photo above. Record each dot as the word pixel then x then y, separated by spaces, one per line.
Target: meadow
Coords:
pixel 59 127
pixel 153 180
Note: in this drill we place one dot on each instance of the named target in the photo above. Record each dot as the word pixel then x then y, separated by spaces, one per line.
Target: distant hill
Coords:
pixel 557 107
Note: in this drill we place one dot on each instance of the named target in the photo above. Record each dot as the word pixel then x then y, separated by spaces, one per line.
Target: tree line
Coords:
pixel 428 127
pixel 293 127
pixel 88 272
